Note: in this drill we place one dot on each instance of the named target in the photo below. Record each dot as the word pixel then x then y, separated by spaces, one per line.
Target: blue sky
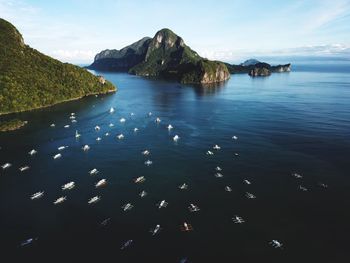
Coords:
pixel 75 30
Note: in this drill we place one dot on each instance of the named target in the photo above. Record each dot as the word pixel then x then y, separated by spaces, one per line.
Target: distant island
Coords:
pixel 256 68
pixel 31 80
pixel 164 56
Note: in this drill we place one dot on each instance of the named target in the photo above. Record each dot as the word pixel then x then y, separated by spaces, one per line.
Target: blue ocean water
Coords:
pixel 297 122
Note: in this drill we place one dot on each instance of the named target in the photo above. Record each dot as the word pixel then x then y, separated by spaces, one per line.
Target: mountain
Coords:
pixel 164 56
pixel 30 79
pixel 121 60
pixel 250 62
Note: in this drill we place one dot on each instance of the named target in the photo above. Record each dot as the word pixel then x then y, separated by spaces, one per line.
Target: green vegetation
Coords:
pixel 163 56
pixel 30 79
pixel 11 125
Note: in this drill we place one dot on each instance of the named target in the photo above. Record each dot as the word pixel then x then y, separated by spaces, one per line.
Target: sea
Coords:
pixel 281 166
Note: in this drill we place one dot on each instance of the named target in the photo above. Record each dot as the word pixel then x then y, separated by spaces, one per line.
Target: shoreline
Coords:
pixel 67 100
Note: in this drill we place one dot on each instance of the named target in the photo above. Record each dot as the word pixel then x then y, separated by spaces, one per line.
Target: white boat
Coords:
pixel 111 125
pixel 145 152
pixel 218 175
pixel 218 168
pixel 72 117
pixel 107 134
pixel 210 153
pixel 74 121
pixel 66 126
pixel 155 230
pixel 143 194
pixel 193 208
pixel 72 113
pixel 122 120
pixel 238 220
pixel 296 175
pixel 276 244
pixel 150 114
pixel 94 199
pixel 148 162
pixel 37 195
pixel 186 227
pixel 136 129
pixel 6 165
pixel 234 137
pixel 52 125
pixel 127 207
pixel 183 186
pixel 60 200
pixel 111 110
pixel 158 120
pixel 57 156
pixel 23 168
pixel 246 182
pixel 68 186
pixel 77 135
pixel 140 179
pixel 86 147
pixel 93 171
pixel 32 152
pixel 126 244
pixel 101 183
pixel 302 188
pixel 176 138
pixel 97 128
pixel 120 136
pixel 216 147
pixel 250 196
pixel 162 204
pixel 98 139
pixel 61 148
pixel 228 189
pixel 169 127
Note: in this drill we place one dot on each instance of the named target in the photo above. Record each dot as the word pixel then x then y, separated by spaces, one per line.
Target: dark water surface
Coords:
pixel 296 122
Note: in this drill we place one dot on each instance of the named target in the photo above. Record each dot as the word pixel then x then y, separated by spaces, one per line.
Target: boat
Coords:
pixel 93 171
pixel 136 129
pixel 250 196
pixel 238 220
pixel 140 179
pixel 68 186
pixel 184 186
pixel 97 128
pixel 234 137
pixel 145 152
pixel 148 162
pixel 94 199
pixel 122 120
pixel 120 136
pixel 127 207
pixel 66 126
pixel 101 183
pixel 60 200
pixel 143 194
pixel 111 110
pixel 185 227
pixel 37 195
pixel 126 244
pixel 28 241
pixel 193 208
pixel 210 153
pixel 155 230
pixel 216 147
pixel 24 168
pixel 32 152
pixel 218 175
pixel 6 165
pixel 57 156
pixel 162 204
pixel 246 182
pixel 52 125
pixel 98 139
pixel 169 127
pixel 86 147
pixel 77 135
pixel 176 138
pixel 228 189
pixel 158 120
pixel 61 148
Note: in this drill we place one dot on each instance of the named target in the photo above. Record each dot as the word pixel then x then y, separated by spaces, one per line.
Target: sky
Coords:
pixel 229 30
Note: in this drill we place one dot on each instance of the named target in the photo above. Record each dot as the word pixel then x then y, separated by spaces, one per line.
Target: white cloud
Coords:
pixel 74 55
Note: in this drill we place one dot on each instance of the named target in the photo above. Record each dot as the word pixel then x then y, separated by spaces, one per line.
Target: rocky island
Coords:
pixel 256 68
pixel 31 80
pixel 164 56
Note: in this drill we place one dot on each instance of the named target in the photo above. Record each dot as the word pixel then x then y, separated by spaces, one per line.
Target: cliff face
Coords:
pixel 121 60
pixel 164 56
pixel 259 72
pixel 30 79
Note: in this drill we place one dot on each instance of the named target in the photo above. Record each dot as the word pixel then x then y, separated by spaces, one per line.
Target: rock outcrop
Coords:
pixel 256 68
pixel 164 56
